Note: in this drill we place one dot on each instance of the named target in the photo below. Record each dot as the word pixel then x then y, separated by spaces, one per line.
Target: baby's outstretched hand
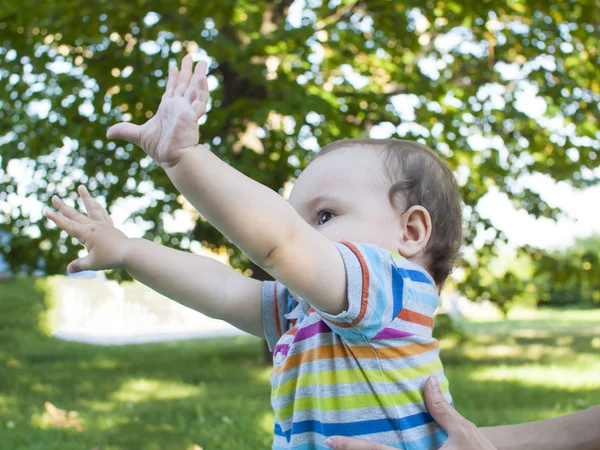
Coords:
pixel 106 245
pixel 174 127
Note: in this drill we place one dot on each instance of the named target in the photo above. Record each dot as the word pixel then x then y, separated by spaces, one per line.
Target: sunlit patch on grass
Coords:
pixel 565 340
pixel 488 339
pixel 38 387
pixel 100 363
pixel 539 351
pixel 495 351
pixel 579 322
pixel 98 406
pixel 532 352
pixel 531 333
pixel 543 314
pixel 106 422
pixel 263 375
pixel 4 403
pixel 145 389
pixel 161 428
pixel 449 342
pixel 557 377
pixel 596 342
pixel 266 422
pixel 12 363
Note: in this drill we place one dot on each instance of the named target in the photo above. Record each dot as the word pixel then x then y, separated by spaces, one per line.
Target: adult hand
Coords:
pixel 462 434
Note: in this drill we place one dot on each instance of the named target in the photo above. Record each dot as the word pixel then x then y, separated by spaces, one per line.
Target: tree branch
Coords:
pixel 340 12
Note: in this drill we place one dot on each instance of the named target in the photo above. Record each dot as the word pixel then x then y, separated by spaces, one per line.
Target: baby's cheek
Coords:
pixel 359 230
pixel 333 233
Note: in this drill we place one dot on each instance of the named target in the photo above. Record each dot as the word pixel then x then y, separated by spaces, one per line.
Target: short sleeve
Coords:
pixel 377 291
pixel 275 304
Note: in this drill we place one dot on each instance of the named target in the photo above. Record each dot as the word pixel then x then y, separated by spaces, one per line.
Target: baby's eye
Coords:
pixel 324 217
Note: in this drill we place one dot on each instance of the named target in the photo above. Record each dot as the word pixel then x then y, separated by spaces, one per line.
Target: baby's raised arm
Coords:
pixel 256 219
pixel 195 281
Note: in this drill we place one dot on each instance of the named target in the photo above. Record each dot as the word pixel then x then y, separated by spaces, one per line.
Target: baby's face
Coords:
pixel 344 195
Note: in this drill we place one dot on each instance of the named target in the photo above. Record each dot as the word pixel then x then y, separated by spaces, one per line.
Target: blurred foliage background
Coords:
pixel 287 78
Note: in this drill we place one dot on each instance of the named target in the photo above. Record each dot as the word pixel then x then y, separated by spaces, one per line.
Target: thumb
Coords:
pixel 439 408
pixel 125 130
pixel 80 264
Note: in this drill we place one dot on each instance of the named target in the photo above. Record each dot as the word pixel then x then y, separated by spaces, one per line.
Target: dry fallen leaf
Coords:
pixel 58 418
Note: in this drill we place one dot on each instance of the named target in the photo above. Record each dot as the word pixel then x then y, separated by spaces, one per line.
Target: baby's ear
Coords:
pixel 416 230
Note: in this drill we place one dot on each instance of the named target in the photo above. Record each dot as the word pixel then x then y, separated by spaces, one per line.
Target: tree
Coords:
pixel 288 77
pixel 569 277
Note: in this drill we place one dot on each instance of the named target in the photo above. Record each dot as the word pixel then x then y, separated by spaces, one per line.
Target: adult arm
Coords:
pixel 580 430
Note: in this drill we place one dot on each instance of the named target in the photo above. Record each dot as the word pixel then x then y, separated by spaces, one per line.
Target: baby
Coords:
pixel 369 235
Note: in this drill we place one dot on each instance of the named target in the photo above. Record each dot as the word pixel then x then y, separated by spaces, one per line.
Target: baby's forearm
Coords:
pixel 255 218
pixel 197 282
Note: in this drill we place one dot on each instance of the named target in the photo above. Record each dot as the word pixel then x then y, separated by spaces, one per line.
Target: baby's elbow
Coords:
pixel 281 254
pixel 274 258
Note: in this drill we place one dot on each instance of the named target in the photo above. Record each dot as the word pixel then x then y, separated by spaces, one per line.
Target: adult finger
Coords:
pixel 125 130
pixel 80 264
pixel 346 443
pixel 73 229
pixel 68 211
pixel 185 75
pixel 171 82
pixel 439 408
pixel 94 209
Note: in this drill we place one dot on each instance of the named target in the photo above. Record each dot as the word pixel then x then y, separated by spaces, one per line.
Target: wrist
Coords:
pixel 128 252
pixel 186 156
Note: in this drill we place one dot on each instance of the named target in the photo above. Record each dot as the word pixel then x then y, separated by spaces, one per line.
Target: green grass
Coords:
pixel 215 393
pixel 533 365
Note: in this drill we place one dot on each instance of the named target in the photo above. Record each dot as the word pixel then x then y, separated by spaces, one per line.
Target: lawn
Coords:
pixel 215 393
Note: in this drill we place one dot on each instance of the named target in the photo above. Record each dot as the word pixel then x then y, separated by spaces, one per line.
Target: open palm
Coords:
pixel 106 245
pixel 174 127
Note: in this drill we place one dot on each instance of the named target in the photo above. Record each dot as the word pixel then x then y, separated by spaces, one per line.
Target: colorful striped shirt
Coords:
pixel 360 373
